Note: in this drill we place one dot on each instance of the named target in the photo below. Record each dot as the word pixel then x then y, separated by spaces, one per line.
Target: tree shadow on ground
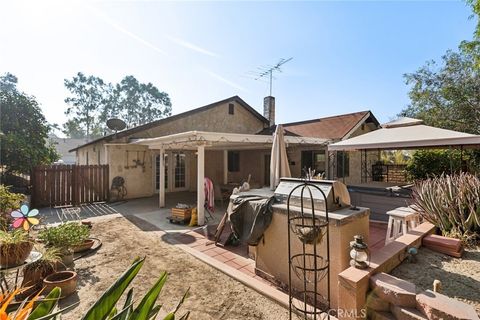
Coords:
pixel 141 223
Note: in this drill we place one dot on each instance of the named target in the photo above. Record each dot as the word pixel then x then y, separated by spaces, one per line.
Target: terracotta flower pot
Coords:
pixel 65 280
pixel 12 255
pixel 87 244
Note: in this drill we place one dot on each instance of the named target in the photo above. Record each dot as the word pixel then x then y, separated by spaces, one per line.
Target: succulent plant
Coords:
pixel 451 203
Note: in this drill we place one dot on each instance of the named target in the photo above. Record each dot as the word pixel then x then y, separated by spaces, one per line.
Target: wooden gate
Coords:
pixel 64 185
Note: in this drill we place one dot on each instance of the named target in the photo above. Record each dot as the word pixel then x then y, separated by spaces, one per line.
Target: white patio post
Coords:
pixel 161 191
pixel 200 184
pixel 225 166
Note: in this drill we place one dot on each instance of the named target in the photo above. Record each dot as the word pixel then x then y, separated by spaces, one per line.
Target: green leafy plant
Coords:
pixel 31 309
pixel 65 236
pixel 13 237
pixel 8 201
pixel 431 163
pixel 35 272
pixel 452 203
pixel 15 246
pixel 105 307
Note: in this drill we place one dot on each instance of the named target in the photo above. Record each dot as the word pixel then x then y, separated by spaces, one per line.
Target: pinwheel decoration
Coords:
pixel 24 217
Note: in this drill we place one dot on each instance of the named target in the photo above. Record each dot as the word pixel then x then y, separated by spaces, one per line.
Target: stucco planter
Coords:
pixel 65 280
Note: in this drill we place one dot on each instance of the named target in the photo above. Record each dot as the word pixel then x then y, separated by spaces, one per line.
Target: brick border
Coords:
pixel 354 283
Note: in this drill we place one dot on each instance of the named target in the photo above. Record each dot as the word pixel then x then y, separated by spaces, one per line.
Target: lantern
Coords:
pixel 359 253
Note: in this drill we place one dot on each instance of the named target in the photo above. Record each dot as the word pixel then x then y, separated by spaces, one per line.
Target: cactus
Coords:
pixel 451 203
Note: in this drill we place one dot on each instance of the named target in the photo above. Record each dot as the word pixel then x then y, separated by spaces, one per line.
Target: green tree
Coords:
pixel 94 101
pixel 73 129
pixel 140 103
pixel 87 101
pixel 446 95
pixel 8 82
pixel 473 46
pixel 24 139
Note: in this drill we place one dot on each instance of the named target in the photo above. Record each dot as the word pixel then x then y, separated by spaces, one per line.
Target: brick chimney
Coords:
pixel 269 109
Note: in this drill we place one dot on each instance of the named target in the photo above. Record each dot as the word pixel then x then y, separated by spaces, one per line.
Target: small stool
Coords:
pixel 400 221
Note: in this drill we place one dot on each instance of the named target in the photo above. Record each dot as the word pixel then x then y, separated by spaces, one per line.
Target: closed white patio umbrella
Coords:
pixel 278 162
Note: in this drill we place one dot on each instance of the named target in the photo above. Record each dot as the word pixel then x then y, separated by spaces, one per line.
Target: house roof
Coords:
pixel 332 128
pixel 153 124
pixel 65 145
pixel 407 133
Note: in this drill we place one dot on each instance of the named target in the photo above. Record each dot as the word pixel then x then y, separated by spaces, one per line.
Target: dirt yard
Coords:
pixel 213 295
pixel 460 277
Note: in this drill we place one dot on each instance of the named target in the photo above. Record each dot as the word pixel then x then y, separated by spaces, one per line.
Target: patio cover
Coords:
pixel 202 140
pixel 406 133
pixel 190 140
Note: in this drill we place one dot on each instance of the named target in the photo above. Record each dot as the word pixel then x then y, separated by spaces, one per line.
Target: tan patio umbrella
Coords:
pixel 278 161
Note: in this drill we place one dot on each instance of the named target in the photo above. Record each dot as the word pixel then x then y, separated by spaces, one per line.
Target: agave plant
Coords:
pixel 452 203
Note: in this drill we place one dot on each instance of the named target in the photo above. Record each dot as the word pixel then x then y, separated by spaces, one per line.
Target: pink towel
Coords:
pixel 209 194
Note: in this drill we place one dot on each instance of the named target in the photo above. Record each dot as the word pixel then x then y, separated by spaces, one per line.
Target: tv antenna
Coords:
pixel 116 124
pixel 267 71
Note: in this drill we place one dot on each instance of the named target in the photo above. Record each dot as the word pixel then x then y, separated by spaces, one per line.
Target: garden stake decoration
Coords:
pixel 24 217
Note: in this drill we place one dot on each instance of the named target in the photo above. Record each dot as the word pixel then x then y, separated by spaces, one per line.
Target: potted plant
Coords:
pixel 15 247
pixel 35 272
pixel 65 280
pixel 65 237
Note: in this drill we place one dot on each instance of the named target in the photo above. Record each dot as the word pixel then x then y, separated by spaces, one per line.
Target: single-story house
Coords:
pixel 64 148
pixel 226 141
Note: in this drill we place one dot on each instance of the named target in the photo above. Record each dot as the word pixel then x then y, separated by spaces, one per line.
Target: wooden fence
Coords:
pixel 64 185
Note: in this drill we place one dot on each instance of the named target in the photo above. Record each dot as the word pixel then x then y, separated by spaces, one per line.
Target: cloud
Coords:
pixel 191 46
pixel 226 81
pixel 115 25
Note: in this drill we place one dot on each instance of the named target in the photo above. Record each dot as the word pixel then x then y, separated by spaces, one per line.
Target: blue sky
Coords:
pixel 347 56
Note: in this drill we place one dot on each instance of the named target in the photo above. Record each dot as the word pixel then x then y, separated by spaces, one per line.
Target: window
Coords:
pixel 231 108
pixel 343 164
pixel 233 161
pixel 314 160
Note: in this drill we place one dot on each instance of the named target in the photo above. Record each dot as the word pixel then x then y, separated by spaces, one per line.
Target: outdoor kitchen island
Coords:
pixel 271 253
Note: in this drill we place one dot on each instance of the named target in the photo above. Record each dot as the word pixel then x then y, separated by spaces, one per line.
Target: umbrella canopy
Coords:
pixel 406 133
pixel 278 161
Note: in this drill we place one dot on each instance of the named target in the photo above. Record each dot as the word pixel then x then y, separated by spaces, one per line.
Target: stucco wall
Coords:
pixel 95 154
pixel 272 252
pixel 251 162
pixel 216 119
pixel 295 158
pixel 138 179
pixel 213 168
